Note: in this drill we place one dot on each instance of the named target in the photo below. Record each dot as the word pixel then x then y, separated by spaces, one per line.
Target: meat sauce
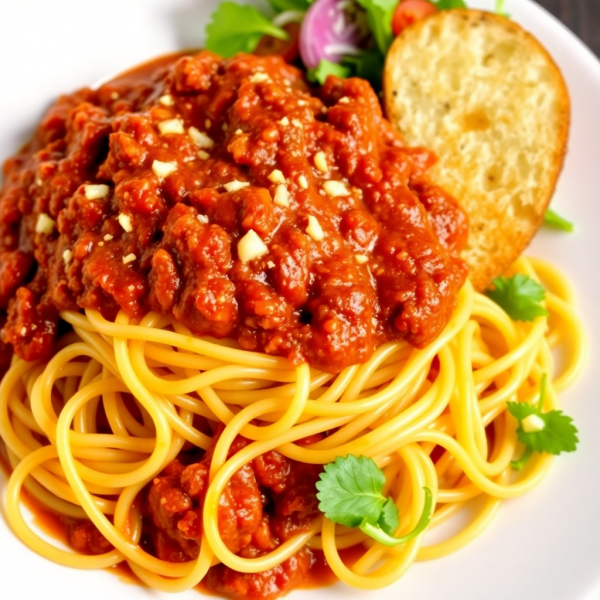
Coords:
pixel 234 198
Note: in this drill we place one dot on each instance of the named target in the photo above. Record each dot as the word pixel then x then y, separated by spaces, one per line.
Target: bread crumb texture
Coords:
pixel 488 99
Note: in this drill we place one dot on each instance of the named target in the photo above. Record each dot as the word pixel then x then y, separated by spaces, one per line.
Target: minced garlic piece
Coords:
pixel 251 247
pixel 361 259
pixel 335 188
pixel 282 196
pixel 129 258
pixel 202 219
pixel 125 222
pixel 314 229
pixel 297 123
pixel 259 77
pixel 344 100
pixel 200 139
pixel 67 256
pixel 166 100
pixel 271 264
pixel 108 237
pixel 95 192
pixel 163 169
pixel 285 121
pixel 235 185
pixel 321 162
pixel 533 424
pixel 171 126
pixel 276 176
pixel 203 154
pixel 303 182
pixel 44 224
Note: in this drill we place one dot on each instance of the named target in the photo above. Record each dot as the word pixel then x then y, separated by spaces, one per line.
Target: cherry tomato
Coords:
pixel 409 12
pixel 288 49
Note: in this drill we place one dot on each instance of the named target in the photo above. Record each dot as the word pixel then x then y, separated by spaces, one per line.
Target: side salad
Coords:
pixel 347 38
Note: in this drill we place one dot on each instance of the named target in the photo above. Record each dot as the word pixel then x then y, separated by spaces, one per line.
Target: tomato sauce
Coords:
pixel 235 198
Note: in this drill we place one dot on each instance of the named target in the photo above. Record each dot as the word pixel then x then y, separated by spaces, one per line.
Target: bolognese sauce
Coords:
pixel 231 196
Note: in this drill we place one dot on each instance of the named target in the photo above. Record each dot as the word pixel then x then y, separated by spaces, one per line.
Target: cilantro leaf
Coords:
pixel 326 68
pixel 389 520
pixel 554 220
pixel 558 433
pixel 350 493
pixel 381 536
pixel 450 4
pixel 284 5
pixel 238 28
pixel 519 295
pixel 552 432
pixel 379 17
pixel 500 9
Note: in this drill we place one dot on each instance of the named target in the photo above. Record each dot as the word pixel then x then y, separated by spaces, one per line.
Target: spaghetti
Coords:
pixel 433 417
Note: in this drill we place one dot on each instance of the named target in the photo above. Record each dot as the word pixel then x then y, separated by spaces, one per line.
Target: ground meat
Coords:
pixel 194 154
pixel 265 503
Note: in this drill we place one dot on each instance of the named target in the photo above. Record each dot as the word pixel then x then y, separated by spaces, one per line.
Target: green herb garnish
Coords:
pixel 350 493
pixel 519 296
pixel 450 4
pixel 238 28
pixel 552 432
pixel 554 220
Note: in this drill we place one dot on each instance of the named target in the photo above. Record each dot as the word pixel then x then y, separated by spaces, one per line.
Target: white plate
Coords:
pixel 545 545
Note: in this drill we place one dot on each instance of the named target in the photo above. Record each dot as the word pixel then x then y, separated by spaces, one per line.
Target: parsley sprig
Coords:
pixel 350 493
pixel 552 432
pixel 519 296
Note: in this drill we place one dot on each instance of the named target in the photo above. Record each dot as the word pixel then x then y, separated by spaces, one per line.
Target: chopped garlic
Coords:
pixel 129 258
pixel 296 123
pixel 67 256
pixel 108 237
pixel 321 162
pixel 533 424
pixel 276 176
pixel 125 222
pixel 361 259
pixel 166 100
pixel 235 185
pixel 23 331
pixel 163 169
pixel 202 219
pixel 259 78
pixel 282 196
pixel 285 121
pixel 95 192
pixel 335 188
pixel 44 224
pixel 251 247
pixel 314 229
pixel 271 264
pixel 303 182
pixel 238 132
pixel 114 96
pixel 200 139
pixel 344 100
pixel 203 154
pixel 171 126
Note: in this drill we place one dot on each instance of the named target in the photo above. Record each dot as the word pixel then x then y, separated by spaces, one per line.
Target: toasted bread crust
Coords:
pixel 487 97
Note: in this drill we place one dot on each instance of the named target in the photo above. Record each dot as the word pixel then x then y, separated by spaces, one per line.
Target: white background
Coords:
pixel 545 545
